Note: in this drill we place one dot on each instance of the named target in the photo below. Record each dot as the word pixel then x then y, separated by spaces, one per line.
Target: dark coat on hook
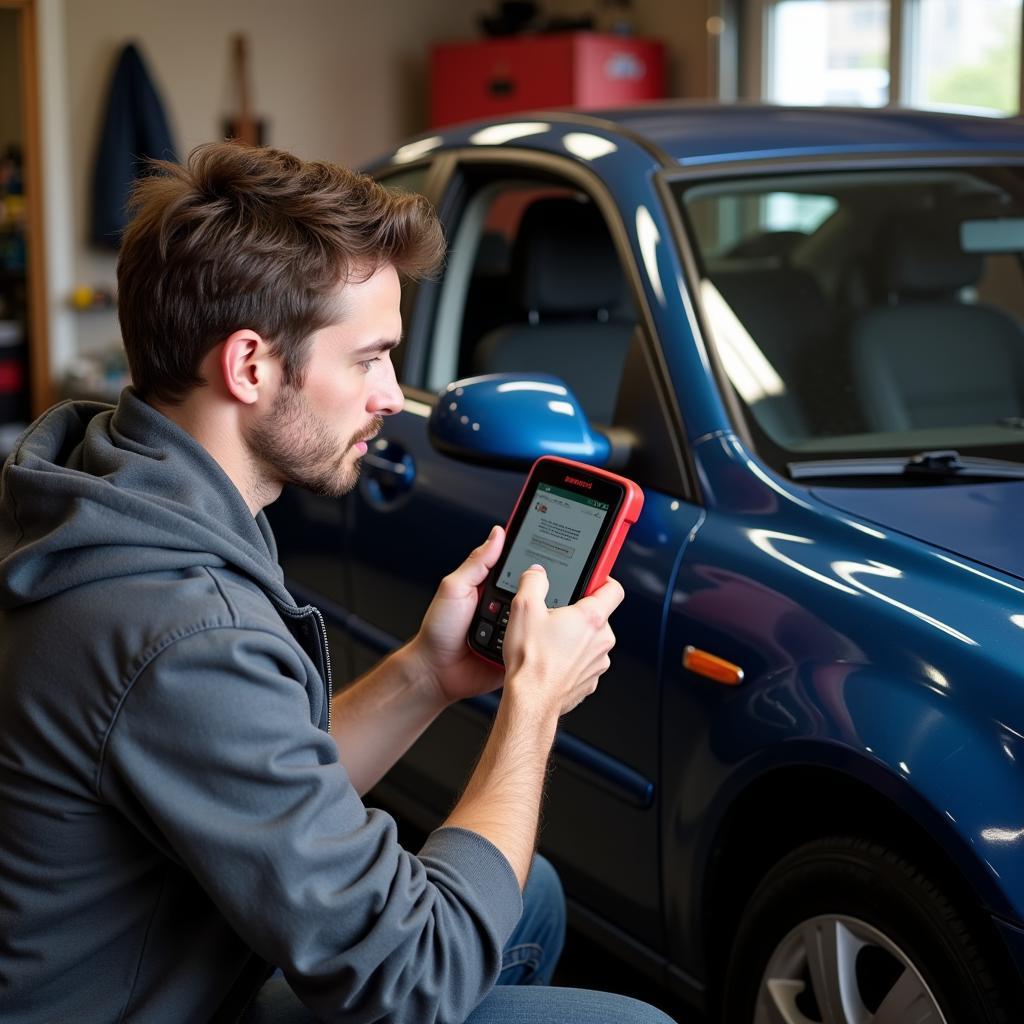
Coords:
pixel 134 129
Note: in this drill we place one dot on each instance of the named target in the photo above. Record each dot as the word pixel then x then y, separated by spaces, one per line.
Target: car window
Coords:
pixel 868 310
pixel 409 179
pixel 533 284
pixel 405 179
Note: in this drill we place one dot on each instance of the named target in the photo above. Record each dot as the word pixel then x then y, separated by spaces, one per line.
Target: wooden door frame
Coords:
pixel 40 385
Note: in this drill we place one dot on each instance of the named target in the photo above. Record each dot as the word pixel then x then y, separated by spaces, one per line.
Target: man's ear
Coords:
pixel 246 366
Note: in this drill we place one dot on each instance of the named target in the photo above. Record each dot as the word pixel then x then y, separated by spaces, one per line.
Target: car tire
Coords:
pixel 846 930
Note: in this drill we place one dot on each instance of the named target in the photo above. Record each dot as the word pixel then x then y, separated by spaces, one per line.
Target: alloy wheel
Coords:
pixel 834 969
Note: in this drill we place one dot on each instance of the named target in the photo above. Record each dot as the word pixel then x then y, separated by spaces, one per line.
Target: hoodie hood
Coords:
pixel 95 492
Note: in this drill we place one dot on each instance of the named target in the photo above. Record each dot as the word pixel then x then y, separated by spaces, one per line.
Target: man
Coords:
pixel 180 802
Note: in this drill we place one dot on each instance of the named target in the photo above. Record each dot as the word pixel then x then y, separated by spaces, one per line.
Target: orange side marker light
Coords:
pixel 712 667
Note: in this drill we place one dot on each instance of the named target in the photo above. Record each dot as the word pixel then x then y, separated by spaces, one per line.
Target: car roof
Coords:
pixel 695 134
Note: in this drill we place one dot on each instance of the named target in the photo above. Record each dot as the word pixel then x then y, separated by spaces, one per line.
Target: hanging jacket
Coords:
pixel 134 129
pixel 173 812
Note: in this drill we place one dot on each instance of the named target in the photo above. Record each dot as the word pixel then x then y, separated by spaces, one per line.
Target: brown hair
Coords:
pixel 253 238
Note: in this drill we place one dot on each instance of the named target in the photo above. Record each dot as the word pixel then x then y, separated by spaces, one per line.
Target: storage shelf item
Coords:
pixel 586 70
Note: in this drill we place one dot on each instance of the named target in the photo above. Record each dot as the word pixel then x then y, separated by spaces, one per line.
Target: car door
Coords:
pixel 416 514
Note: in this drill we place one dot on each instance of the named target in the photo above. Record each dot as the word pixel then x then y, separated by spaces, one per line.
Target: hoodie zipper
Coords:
pixel 325 650
pixel 327 662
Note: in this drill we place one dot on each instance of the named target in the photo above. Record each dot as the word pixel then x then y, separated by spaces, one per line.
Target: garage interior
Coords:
pixel 90 88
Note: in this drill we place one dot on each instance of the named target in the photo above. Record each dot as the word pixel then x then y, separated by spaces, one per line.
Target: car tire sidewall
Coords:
pixel 867 881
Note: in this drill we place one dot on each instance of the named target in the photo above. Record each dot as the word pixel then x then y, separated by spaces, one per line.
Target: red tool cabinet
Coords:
pixel 589 70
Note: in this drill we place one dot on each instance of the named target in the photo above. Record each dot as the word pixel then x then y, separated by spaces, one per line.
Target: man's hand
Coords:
pixel 440 645
pixel 554 656
pixel 553 659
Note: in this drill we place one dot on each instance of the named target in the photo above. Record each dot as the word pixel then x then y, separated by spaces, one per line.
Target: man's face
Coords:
pixel 314 435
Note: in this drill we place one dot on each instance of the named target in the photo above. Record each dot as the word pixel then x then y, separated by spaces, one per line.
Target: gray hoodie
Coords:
pixel 173 813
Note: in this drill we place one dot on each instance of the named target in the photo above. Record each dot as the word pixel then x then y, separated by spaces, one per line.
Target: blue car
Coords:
pixel 798 794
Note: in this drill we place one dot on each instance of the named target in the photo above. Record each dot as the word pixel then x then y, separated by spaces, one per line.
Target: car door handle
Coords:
pixel 398 471
pixel 388 474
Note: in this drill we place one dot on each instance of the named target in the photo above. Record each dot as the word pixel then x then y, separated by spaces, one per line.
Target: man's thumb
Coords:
pixel 533 584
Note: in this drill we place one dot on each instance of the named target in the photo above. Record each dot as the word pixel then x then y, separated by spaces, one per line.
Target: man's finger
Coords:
pixel 480 561
pixel 493 545
pixel 606 598
pixel 533 585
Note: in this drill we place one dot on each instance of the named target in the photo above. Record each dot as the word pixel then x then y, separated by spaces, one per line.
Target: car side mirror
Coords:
pixel 513 420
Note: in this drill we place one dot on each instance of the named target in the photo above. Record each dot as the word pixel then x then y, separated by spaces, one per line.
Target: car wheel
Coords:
pixel 847 931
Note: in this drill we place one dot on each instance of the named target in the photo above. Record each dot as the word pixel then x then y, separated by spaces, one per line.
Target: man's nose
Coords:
pixel 387 399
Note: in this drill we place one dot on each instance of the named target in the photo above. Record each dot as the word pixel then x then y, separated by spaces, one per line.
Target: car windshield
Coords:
pixel 869 311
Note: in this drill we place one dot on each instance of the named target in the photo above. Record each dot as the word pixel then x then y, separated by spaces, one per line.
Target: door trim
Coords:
pixel 40 384
pixel 451 185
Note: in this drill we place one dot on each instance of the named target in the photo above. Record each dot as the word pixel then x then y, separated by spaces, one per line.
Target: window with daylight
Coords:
pixel 829 52
pixel 964 55
pixel 956 55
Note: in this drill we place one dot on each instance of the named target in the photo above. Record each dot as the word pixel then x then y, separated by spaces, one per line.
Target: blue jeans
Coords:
pixel 522 995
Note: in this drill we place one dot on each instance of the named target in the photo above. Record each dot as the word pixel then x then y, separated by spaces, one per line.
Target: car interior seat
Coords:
pixel 788 318
pixel 571 287
pixel 928 359
pixel 488 303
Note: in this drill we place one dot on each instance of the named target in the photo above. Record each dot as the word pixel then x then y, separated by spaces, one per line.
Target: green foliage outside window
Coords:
pixel 988 83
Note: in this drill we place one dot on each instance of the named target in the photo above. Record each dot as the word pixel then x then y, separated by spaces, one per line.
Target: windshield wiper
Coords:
pixel 942 465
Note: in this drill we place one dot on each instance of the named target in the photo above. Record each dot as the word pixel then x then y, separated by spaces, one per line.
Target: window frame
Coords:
pixel 510 162
pixel 904 24
pixel 435 173
pixel 671 186
pixel 447 354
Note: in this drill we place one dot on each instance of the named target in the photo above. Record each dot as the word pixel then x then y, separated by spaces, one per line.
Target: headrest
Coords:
pixel 783 301
pixel 492 255
pixel 564 260
pixel 923 254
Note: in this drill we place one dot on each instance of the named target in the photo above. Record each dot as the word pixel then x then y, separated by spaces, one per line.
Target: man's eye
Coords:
pixel 367 363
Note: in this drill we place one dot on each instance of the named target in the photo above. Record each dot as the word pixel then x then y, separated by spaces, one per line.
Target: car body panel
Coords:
pixel 978 521
pixel 706 135
pixel 859 654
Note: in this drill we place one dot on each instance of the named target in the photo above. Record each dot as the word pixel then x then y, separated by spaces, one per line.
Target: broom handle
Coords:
pixel 245 129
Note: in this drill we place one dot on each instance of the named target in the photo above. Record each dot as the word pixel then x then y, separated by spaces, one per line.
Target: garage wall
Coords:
pixel 683 26
pixel 335 79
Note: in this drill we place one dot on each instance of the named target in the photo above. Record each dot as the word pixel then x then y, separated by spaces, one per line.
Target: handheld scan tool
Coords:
pixel 570 518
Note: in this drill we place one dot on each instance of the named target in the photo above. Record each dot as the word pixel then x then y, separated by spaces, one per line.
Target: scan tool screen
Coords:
pixel 558 531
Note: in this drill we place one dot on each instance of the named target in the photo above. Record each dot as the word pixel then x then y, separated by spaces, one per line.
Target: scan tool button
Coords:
pixel 493 608
pixel 483 633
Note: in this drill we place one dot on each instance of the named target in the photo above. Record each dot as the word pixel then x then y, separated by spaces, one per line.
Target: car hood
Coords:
pixel 979 521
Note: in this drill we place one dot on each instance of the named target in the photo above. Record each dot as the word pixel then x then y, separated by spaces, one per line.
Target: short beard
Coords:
pixel 290 445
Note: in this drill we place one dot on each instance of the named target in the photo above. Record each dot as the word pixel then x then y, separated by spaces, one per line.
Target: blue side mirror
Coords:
pixel 512 419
